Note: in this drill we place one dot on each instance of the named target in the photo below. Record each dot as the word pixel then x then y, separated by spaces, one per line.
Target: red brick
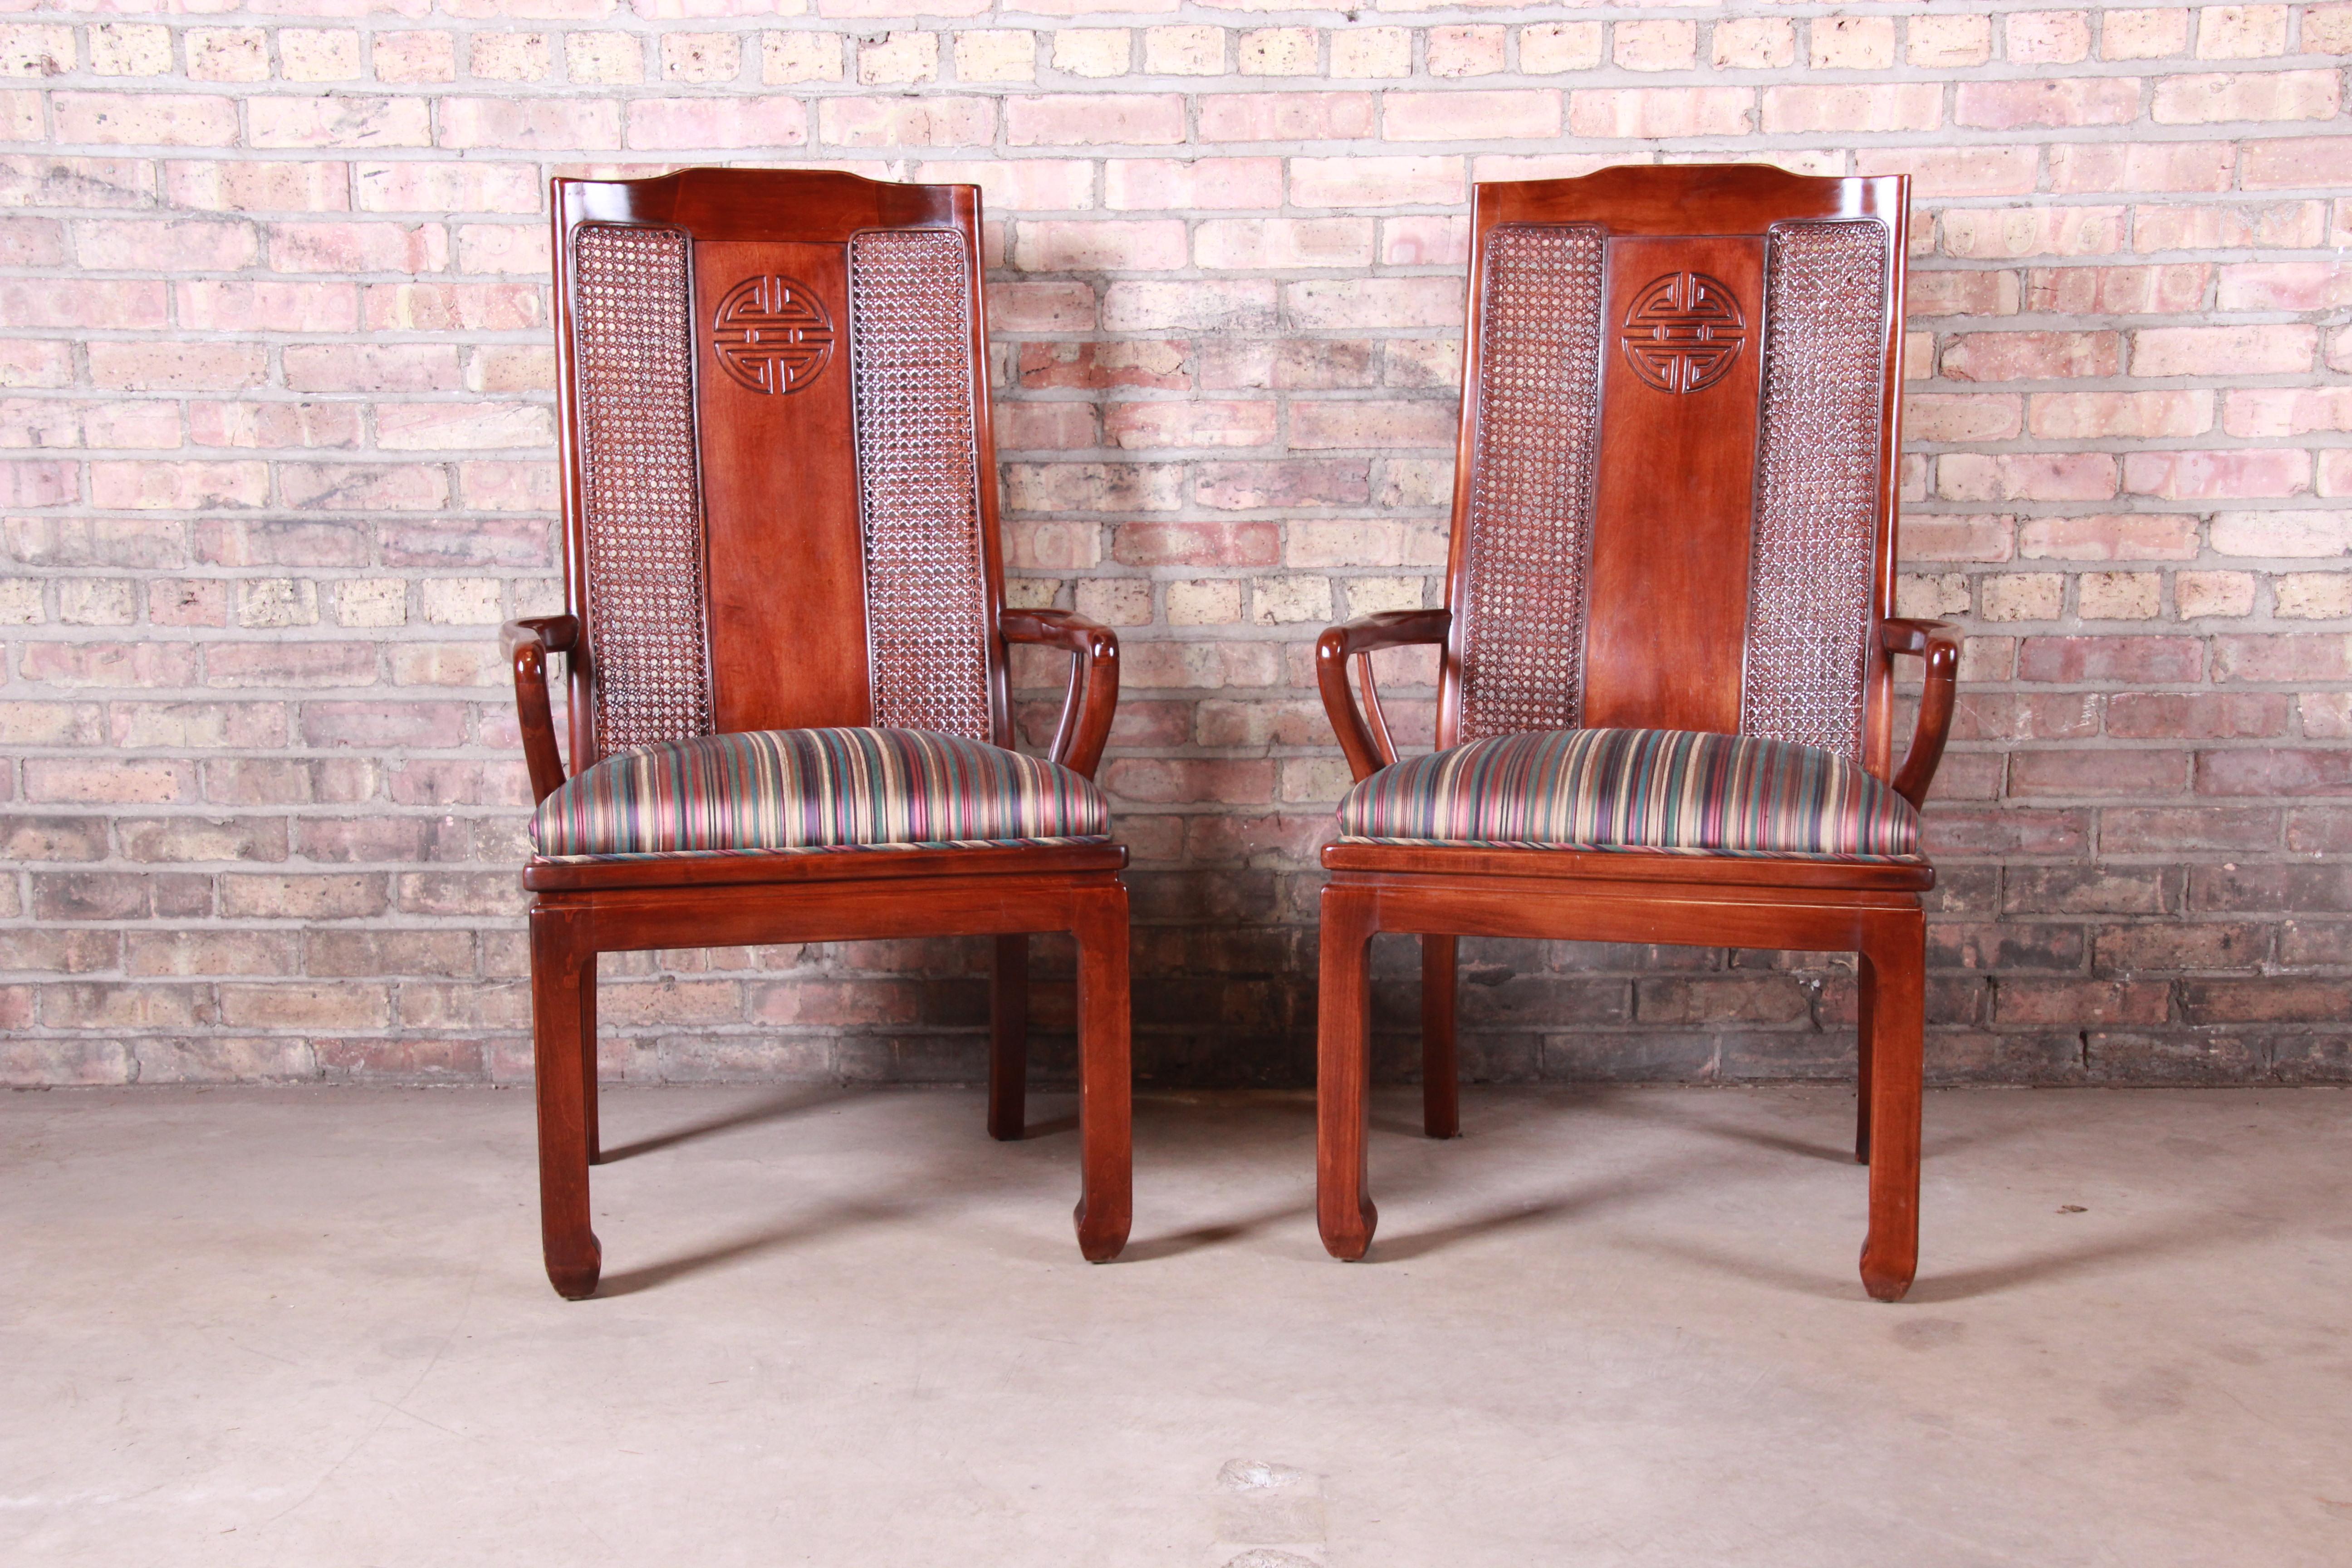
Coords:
pixel 2195 716
pixel 2013 105
pixel 2090 416
pixel 131 305
pixel 1459 115
pixel 2271 999
pixel 2076 772
pixel 2295 164
pixel 290 664
pixel 697 122
pixel 2285 286
pixel 1384 426
pixel 2111 536
pixel 1941 172
pixel 2270 772
pixel 1087 119
pixel 1249 486
pixel 527 124
pixel 2170 287
pixel 1887 107
pixel 1197 544
pixel 2075 1003
pixel 2223 351
pixel 1192 423
pixel 2168 830
pixel 2032 357
pixel 1264 116
pixel 2004 830
pixel 2207 476
pixel 2114 659
pixel 1162 365
pixel 2098 168
pixel 2292 656
pixel 2214 97
pixel 1352 182
pixel 1176 781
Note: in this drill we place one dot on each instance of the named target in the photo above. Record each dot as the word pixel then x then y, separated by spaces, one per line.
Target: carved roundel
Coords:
pixel 772 335
pixel 1684 331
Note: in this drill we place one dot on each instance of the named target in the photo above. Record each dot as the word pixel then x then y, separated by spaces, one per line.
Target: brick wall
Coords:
pixel 273 329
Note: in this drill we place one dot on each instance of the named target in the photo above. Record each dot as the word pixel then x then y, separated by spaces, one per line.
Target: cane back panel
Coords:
pixel 633 377
pixel 781 517
pixel 1676 474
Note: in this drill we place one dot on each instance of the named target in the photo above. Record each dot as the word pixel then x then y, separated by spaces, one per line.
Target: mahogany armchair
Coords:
pixel 786 638
pixel 1665 683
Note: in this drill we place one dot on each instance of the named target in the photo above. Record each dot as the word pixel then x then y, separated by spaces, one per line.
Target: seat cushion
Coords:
pixel 1674 792
pixel 766 791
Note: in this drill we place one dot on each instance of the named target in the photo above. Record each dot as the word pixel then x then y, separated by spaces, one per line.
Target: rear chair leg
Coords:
pixel 1897 957
pixel 1441 1069
pixel 1866 983
pixel 563 1057
pixel 1343 1209
pixel 1105 1113
pixel 1008 1039
pixel 588 1096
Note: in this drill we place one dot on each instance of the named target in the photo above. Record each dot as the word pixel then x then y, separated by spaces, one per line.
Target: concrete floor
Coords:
pixel 309 1329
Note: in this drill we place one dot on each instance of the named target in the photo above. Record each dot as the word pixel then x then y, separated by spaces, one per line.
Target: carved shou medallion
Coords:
pixel 772 335
pixel 1684 331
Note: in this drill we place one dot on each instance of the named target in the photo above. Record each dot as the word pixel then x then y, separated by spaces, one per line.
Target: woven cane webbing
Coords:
pixel 1817 483
pixel 640 493
pixel 1530 506
pixel 918 453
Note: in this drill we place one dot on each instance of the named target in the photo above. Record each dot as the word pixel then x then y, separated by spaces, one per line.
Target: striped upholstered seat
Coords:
pixel 769 792
pixel 1674 792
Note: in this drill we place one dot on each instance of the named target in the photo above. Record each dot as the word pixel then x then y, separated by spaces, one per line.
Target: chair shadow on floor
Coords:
pixel 1933 1144
pixel 2146 1244
pixel 774 1108
pixel 802 1227
pixel 1414 1245
pixel 824 1221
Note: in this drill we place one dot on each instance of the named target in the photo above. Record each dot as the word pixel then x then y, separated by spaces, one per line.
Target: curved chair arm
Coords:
pixel 1369 750
pixel 528 644
pixel 1937 642
pixel 1094 679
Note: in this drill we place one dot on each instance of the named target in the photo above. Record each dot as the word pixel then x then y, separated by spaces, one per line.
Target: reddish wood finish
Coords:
pixel 1672 503
pixel 781 507
pixel 779 527
pixel 788 647
pixel 1667 622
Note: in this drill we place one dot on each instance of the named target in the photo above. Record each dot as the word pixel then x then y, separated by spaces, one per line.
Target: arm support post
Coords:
pixel 1093 695
pixel 1938 643
pixel 528 644
pixel 1368 748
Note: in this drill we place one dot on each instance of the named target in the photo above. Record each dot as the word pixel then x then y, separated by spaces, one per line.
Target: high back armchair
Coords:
pixel 786 638
pixel 1665 688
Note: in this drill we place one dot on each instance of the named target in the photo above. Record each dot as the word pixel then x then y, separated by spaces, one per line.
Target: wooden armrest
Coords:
pixel 1093 694
pixel 528 644
pixel 1369 748
pixel 1937 642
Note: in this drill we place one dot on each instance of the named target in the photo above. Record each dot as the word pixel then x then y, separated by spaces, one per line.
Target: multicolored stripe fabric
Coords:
pixel 768 791
pixel 1674 792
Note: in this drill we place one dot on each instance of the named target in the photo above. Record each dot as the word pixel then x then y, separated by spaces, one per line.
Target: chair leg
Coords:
pixel 1106 1112
pixel 562 968
pixel 1867 984
pixel 1898 955
pixel 1441 1067
pixel 1008 1039
pixel 1343 1209
pixel 588 1096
